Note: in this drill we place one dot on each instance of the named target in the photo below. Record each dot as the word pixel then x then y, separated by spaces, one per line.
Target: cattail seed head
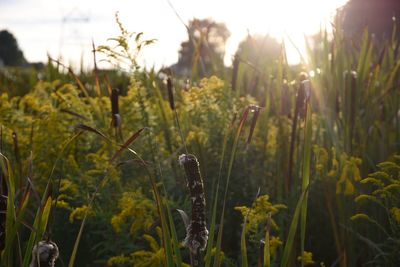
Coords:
pixel 285 102
pixel 300 97
pixel 303 96
pixel 44 254
pixel 116 118
pixel 256 110
pixel 196 231
pixel 306 84
pixel 303 76
pixel 170 93
pixel 114 101
pixel 350 79
pixel 235 71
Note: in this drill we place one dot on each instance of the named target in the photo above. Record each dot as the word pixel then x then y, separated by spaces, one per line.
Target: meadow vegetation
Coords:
pixel 300 165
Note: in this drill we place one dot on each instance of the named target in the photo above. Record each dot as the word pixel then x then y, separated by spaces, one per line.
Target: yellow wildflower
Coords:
pixel 79 213
pixel 116 260
pixel 396 214
pixel 306 258
pixel 274 243
pixel 258 213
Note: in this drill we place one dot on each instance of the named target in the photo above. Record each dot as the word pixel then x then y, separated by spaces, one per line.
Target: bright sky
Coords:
pixel 68 26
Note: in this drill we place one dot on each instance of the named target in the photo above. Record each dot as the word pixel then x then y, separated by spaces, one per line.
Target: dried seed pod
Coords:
pixel 114 101
pixel 256 110
pixel 350 105
pixel 337 104
pixel 170 93
pixel 285 101
pixel 196 231
pixel 306 84
pixel 303 76
pixel 300 97
pixel 235 71
pixel 116 118
pixel 44 254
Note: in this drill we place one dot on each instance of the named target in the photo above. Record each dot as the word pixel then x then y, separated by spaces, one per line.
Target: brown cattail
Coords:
pixel 170 93
pixel 351 92
pixel 254 84
pixel 116 118
pixel 302 96
pixel 306 85
pixel 350 79
pixel 256 110
pixel 196 231
pixel 285 102
pixel 235 71
pixel 303 76
pixel 44 254
pixel 337 104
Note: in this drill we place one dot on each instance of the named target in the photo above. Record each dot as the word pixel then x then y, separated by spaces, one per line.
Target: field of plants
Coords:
pixel 259 164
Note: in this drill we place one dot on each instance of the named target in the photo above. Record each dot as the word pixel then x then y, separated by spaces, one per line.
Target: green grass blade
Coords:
pixel 267 250
pixel 174 235
pixel 39 226
pixel 210 244
pixel 306 173
pixel 11 231
pixel 243 247
pixel 217 260
pixel 292 231
pixel 166 237
pixel 76 244
pixel 169 260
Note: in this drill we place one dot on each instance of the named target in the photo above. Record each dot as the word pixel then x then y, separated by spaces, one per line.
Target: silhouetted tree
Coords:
pixel 203 53
pixel 252 61
pixel 10 53
pixel 377 15
pixel 259 49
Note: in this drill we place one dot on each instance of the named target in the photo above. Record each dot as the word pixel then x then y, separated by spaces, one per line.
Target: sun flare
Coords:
pixel 287 20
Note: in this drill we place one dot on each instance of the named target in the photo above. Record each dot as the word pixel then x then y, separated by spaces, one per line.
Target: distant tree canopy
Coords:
pixel 10 54
pixel 259 49
pixel 203 53
pixel 255 56
pixel 377 15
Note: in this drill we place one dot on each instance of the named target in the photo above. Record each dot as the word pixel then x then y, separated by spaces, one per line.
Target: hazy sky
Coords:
pixel 68 26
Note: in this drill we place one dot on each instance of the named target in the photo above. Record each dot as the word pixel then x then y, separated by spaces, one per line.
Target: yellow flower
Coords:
pixel 396 214
pixel 321 158
pixel 274 243
pixel 258 214
pixel 116 260
pixel 350 174
pixel 63 204
pixel 136 209
pixel 221 253
pixel 306 258
pixel 79 213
